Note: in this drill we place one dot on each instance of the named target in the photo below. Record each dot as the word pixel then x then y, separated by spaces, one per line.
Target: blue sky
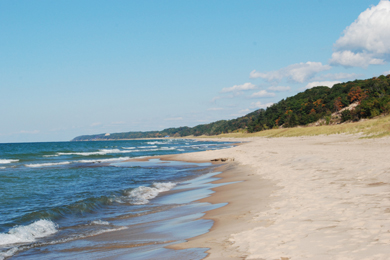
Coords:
pixel 69 68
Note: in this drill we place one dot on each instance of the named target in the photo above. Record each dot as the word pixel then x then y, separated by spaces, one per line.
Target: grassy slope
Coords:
pixel 370 128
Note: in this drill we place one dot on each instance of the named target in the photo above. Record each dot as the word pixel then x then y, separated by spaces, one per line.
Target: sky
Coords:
pixel 70 68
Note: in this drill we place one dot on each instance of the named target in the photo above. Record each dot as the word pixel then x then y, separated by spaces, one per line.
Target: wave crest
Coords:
pixel 6 161
pixel 46 164
pixel 100 222
pixel 142 195
pixel 100 152
pixel 29 233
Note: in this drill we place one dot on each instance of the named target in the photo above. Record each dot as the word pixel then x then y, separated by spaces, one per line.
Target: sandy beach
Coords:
pixel 323 197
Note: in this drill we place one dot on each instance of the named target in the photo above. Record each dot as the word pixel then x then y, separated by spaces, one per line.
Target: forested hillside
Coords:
pixel 372 97
pixel 218 127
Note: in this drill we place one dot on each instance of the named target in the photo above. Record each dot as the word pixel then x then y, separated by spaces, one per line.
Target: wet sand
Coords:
pixel 324 197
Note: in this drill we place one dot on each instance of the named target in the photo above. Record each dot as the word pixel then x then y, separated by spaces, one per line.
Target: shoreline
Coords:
pixel 152 199
pixel 234 216
pixel 175 216
pixel 322 197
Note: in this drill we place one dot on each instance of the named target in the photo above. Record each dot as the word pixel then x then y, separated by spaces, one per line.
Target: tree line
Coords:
pixel 372 97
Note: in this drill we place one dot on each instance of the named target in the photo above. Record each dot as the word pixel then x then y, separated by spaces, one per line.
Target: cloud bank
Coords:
pixel 263 93
pixel 258 104
pixel 366 40
pixel 299 72
pixel 321 83
pixel 245 86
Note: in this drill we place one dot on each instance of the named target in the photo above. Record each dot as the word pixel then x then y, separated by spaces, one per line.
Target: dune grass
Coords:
pixel 371 128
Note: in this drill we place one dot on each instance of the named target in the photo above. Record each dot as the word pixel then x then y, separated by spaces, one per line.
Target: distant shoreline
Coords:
pixel 370 128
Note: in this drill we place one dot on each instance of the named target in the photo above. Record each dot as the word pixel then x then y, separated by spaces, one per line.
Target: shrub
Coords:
pixel 346 115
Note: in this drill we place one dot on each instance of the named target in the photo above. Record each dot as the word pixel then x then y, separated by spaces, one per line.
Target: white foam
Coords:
pixel 80 236
pixel 168 148
pixel 105 160
pixel 129 148
pixel 157 142
pixel 29 233
pixel 8 253
pixel 6 161
pixel 103 231
pixel 146 150
pixel 46 164
pixel 3 167
pixel 100 152
pixel 142 194
pixel 112 151
pixel 100 222
pixel 146 147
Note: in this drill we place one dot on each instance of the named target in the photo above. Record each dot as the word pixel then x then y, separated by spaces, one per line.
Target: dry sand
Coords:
pixel 324 197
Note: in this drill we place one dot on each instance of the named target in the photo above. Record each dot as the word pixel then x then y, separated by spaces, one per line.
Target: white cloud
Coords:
pixel 336 76
pixel 366 40
pixel 258 104
pixel 299 72
pixel 350 59
pixel 321 83
pixel 279 88
pixel 263 93
pixel 245 86
pixel 386 73
pixel 173 119
pixel 244 111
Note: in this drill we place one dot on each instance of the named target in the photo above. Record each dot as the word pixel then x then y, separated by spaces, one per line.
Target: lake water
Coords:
pixel 62 199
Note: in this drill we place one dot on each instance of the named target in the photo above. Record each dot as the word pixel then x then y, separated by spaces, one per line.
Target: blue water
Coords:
pixel 61 190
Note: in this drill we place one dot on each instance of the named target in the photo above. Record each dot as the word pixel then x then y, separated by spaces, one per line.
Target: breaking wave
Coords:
pixel 159 142
pixel 6 161
pixel 51 230
pixel 8 253
pixel 142 195
pixel 104 160
pixel 46 164
pixel 100 152
pixel 36 165
pixel 29 233
pixel 100 222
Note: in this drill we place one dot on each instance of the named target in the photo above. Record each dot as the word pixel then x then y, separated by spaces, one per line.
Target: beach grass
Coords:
pixel 370 128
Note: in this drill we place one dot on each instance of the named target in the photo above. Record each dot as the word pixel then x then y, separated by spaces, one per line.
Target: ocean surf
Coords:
pixel 63 198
